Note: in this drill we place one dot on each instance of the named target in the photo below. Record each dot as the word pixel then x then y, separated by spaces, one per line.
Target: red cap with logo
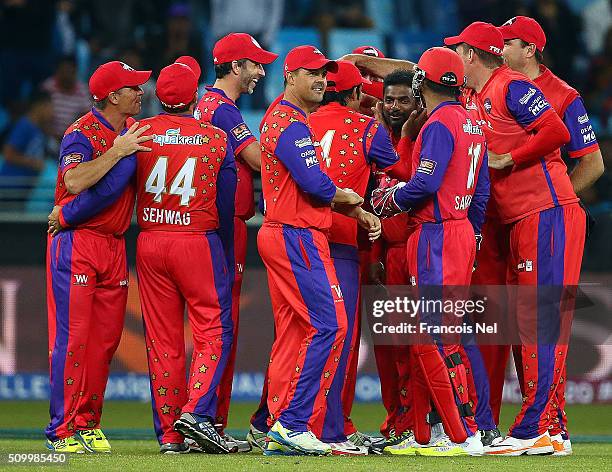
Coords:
pixel 308 57
pixel 236 46
pixel 176 85
pixel 525 28
pixel 442 66
pixel 192 63
pixel 480 35
pixel 345 78
pixel 369 51
pixel 114 75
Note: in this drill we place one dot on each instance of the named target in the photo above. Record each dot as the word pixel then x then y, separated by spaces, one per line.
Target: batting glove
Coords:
pixel 383 198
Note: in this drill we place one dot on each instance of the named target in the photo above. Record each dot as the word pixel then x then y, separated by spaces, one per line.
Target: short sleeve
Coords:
pixel 582 136
pixel 74 149
pixel 229 119
pixel 526 102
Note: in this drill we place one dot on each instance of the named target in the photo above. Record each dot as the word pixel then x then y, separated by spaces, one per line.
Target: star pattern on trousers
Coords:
pixel 91 424
pixel 94 397
pixel 197 385
pixel 213 357
pixel 176 391
pixel 203 369
pixel 165 409
pixel 177 411
pixel 161 391
pixel 453 375
pixel 327 374
pixel 403 392
pixel 69 381
pixel 275 399
pixel 531 384
pixel 460 389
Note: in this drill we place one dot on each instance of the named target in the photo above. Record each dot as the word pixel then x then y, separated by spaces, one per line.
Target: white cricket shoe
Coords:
pixel 347 448
pixel 256 438
pixel 301 441
pixel 511 446
pixel 562 447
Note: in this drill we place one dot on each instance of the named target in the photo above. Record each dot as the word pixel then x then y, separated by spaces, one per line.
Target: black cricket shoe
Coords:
pixel 202 431
pixel 490 436
pixel 174 448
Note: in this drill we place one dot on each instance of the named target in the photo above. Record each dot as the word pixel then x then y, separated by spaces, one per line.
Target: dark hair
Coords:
pixel 221 70
pixel 538 55
pixel 489 60
pixel 178 111
pixel 67 58
pixel 398 77
pixel 444 90
pixel 341 97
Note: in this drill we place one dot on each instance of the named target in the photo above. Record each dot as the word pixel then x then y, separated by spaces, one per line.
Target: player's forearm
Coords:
pixel 377 65
pixel 89 173
pixel 550 134
pixel 587 170
pixel 252 156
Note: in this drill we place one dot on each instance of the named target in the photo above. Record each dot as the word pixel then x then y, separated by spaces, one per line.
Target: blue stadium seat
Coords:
pixel 252 118
pixel 410 44
pixel 286 39
pixel 42 196
pixel 343 41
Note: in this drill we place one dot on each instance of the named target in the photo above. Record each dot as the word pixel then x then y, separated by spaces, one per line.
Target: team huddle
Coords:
pixel 458 159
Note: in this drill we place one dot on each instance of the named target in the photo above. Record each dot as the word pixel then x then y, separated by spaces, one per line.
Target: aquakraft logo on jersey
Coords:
pixel 174 137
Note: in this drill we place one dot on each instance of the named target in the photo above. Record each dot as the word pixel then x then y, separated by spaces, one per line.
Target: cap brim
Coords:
pixel 319 63
pixel 137 77
pixel 262 56
pixel 452 40
pixel 374 89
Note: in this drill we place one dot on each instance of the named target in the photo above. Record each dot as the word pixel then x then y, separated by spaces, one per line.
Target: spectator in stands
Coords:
pixel 176 38
pixel 259 18
pixel 598 90
pixel 25 149
pixel 150 103
pixel 70 96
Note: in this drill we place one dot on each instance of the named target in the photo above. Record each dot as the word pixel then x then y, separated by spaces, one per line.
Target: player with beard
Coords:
pixel 239 62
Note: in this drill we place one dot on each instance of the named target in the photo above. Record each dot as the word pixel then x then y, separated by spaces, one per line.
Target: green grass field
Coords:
pixel 128 426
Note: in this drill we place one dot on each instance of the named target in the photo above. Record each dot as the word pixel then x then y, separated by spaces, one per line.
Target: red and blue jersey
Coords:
pixel 350 143
pixel 450 179
pixel 510 106
pixel 177 181
pixel 296 191
pixel 217 108
pixel 88 138
pixel 568 104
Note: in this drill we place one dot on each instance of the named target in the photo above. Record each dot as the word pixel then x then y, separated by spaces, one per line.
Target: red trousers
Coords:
pixel 178 270
pixel 87 282
pixel 392 362
pixel 545 250
pixel 310 324
pixel 224 392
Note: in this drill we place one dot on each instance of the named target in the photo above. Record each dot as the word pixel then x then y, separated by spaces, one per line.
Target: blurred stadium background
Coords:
pixel 49 48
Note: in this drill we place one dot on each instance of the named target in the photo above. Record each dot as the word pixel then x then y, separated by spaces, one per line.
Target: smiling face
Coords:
pixel 250 73
pixel 128 100
pixel 398 103
pixel 309 85
pixel 516 55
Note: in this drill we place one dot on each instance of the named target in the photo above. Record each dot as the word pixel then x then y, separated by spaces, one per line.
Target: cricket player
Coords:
pixel 534 200
pixel 351 144
pixel 307 300
pixel 87 272
pixel 446 197
pixel 186 186
pixel 524 41
pixel 239 62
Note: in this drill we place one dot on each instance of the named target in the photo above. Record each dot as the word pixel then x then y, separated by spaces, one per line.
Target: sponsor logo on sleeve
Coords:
pixel 538 105
pixel 427 166
pixel 197 114
pixel 241 132
pixel 582 119
pixel 73 158
pixel 303 142
pixel 525 98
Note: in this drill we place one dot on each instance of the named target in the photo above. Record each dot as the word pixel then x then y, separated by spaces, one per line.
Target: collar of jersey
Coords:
pixel 101 119
pixel 291 105
pixel 219 92
pixel 443 104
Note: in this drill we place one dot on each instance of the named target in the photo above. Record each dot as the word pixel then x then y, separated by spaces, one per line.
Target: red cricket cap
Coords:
pixel 525 28
pixel 442 66
pixel 176 85
pixel 480 35
pixel 368 51
pixel 308 57
pixel 236 46
pixel 345 78
pixel 114 75
pixel 192 63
